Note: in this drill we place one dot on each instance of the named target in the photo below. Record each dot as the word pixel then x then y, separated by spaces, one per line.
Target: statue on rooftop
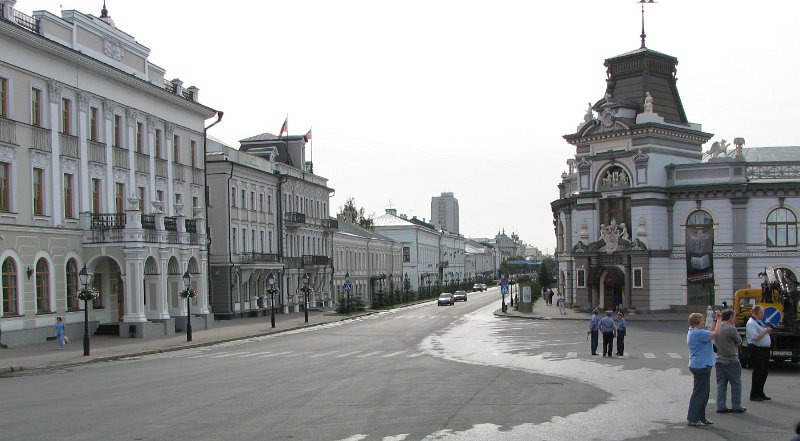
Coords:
pixel 648 103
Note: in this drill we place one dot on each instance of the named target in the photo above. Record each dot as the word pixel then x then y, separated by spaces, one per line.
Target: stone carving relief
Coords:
pixel 161 184
pixel 120 175
pixel 641 230
pixel 54 90
pixel 83 101
pixel 97 171
pixel 39 160
pixel 607 118
pixel 151 124
pixel 131 115
pixel 108 109
pixel 615 177
pixel 113 49
pixel 69 165
pixel 584 231
pixel 169 129
pixel 141 180
pixel 8 154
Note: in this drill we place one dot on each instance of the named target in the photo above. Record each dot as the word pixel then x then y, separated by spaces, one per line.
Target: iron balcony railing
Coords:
pixel 108 221
pixel 315 260
pixel 259 258
pixel 69 145
pixel 170 223
pixel 330 224
pixel 97 152
pixel 293 217
pixel 191 226
pixel 8 129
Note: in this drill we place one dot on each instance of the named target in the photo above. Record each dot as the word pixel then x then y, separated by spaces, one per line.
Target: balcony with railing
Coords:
pixel 69 145
pixel 259 258
pixel 177 171
pixel 309 260
pixel 142 162
pixel 8 131
pixel 41 139
pixel 97 152
pixel 330 224
pixel 197 176
pixel 120 157
pixel 161 168
pixel 294 219
pixel 133 226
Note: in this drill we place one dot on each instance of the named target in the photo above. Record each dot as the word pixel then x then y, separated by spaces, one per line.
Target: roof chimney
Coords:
pixel 391 211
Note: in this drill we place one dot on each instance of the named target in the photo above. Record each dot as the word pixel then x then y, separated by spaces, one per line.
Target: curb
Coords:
pixel 56 365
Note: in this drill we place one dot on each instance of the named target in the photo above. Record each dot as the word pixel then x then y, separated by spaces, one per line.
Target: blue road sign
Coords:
pixel 348 287
pixel 504 289
pixel 772 316
pixel 504 282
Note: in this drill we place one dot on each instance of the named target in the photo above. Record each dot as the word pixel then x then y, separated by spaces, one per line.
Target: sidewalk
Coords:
pixel 541 311
pixel 104 348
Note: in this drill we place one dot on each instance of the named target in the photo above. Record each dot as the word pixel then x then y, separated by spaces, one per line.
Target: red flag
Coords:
pixel 308 135
pixel 284 127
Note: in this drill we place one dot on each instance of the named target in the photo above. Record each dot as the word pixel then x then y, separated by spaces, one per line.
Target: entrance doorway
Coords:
pixel 613 285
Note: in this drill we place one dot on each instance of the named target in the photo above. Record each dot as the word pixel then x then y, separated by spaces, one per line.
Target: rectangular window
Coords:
pixel 119 197
pixel 158 143
pixel 117 130
pixel 176 149
pixel 94 128
pixel 253 200
pixel 36 107
pixel 38 191
pixel 4 98
pixel 9 288
pixel 66 116
pixel 244 240
pixel 5 186
pixel 69 213
pixel 638 281
pixel 233 197
pixel 260 202
pixel 406 254
pixel 270 241
pixel 141 199
pixel 581 276
pixel 193 152
pixel 269 203
pixel 96 194
pixel 244 198
pixel 195 202
pixel 178 198
pixel 261 236
pixel 160 195
pixel 139 137
pixel 233 241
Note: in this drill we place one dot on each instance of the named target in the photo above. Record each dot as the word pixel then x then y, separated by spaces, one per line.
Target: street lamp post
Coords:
pixel 271 291
pixel 85 277
pixel 305 290
pixel 187 282
pixel 347 284
pixel 406 286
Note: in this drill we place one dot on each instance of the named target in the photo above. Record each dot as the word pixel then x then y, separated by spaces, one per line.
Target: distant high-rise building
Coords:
pixel 444 212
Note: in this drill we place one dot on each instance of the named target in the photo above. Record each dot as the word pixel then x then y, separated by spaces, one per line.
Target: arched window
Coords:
pixel 781 228
pixel 72 285
pixel 699 258
pixel 700 218
pixel 10 295
pixel 42 286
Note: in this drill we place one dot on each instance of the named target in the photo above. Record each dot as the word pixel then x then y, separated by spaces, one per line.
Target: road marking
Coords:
pixel 369 354
pixel 546 354
pixel 227 354
pixel 415 355
pixel 649 355
pixel 572 354
pixel 674 355
pixel 393 354
pixel 322 355
pixel 254 354
pixel 276 354
pixel 347 354
pixel 298 354
pixel 205 355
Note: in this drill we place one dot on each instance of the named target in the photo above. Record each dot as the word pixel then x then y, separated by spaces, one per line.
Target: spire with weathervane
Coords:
pixel 105 17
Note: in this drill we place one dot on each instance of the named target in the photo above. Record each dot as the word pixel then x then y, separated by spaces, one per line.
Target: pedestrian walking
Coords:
pixel 550 295
pixel 701 359
pixel 728 368
pixel 60 333
pixel 758 343
pixel 622 331
pixel 544 296
pixel 594 326
pixel 561 300
pixel 609 330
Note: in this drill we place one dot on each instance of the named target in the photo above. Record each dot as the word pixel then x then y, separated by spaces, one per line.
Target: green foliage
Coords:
pixel 546 272
pixel 356 304
pixel 350 213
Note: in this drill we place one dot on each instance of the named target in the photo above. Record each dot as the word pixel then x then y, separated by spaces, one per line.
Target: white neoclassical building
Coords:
pixel 100 165
pixel 647 219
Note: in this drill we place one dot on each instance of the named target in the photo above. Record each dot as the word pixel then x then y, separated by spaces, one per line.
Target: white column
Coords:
pixel 131 116
pixel 170 196
pixel 202 285
pixel 108 113
pixel 151 139
pixel 162 294
pixel 83 136
pixel 134 298
pixel 56 176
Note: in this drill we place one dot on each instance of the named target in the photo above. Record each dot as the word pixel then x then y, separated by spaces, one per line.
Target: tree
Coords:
pixel 546 272
pixel 349 213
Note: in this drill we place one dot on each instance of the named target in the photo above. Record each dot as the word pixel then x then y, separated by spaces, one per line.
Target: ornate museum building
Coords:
pixel 647 220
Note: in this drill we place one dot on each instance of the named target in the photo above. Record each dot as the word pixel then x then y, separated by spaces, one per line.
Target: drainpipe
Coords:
pixel 205 202
pixel 230 247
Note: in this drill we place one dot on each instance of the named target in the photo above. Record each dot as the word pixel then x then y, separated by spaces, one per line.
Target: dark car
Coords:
pixel 460 295
pixel 446 298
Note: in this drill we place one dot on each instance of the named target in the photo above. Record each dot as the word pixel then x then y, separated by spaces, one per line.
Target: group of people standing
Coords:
pixel 561 300
pixel 723 339
pixel 610 330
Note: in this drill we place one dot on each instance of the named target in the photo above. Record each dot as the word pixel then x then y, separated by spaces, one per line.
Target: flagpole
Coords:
pixel 312 145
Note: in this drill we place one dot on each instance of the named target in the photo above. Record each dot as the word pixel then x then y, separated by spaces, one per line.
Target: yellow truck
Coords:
pixel 779 297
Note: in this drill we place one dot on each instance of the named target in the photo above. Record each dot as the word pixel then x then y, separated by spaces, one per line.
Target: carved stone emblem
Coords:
pixel 113 49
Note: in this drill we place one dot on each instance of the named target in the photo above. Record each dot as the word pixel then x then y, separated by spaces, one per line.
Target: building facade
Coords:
pixel 647 220
pixel 444 212
pixel 100 166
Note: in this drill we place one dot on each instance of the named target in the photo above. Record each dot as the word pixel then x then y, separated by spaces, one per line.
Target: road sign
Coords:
pixel 504 289
pixel 348 287
pixel 772 316
pixel 504 282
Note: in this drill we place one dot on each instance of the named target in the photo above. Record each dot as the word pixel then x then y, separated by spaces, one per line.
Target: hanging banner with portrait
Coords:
pixel 699 254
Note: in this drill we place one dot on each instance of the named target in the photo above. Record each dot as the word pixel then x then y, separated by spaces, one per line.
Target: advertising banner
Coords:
pixel 699 254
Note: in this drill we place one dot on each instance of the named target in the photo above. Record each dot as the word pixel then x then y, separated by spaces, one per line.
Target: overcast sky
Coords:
pixel 409 99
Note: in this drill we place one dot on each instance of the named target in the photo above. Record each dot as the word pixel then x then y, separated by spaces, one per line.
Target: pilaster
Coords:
pixel 56 176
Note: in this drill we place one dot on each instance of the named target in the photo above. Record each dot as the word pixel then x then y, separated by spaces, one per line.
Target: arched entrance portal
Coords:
pixel 107 278
pixel 612 285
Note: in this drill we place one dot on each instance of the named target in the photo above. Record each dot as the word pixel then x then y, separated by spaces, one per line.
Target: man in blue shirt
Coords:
pixel 608 328
pixel 758 343
pixel 622 330
pixel 594 325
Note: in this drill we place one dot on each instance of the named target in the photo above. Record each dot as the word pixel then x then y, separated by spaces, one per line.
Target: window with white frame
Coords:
pixel 781 228
pixel 581 278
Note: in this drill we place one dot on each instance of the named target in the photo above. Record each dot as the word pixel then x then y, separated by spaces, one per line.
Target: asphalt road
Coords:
pixel 422 372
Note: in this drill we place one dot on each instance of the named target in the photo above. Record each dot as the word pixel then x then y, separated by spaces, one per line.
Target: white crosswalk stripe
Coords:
pixel 546 354
pixel 649 355
pixel 254 354
pixel 348 354
pixel 674 355
pixel 415 355
pixel 276 354
pixel 393 354
pixel 229 354
pixel 572 354
pixel 322 354
pixel 370 354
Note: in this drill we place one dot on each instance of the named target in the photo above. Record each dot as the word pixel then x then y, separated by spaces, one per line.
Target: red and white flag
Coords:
pixel 308 135
pixel 284 127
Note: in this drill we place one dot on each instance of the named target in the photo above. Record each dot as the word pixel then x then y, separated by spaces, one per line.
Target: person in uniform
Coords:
pixel 622 329
pixel 758 343
pixel 594 325
pixel 609 329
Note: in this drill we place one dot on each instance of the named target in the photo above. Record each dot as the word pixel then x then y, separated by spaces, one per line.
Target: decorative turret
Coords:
pixel 105 17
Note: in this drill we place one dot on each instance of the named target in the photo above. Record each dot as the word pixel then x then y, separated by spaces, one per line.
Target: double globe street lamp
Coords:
pixel 305 289
pixel 86 295
pixel 188 294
